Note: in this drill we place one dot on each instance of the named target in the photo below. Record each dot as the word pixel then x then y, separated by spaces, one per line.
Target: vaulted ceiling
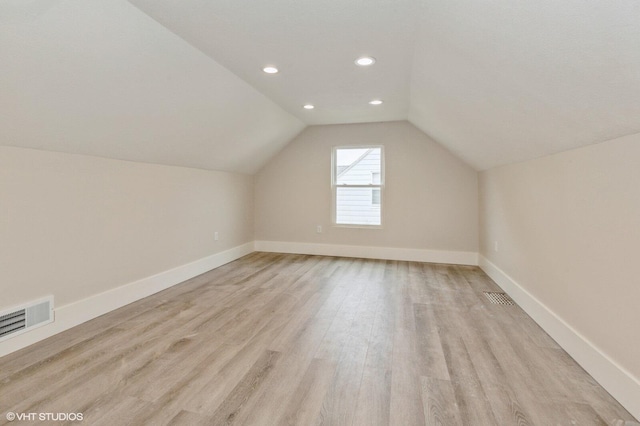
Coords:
pixel 180 82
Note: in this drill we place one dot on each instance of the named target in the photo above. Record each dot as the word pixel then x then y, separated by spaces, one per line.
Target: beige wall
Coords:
pixel 74 226
pixel 568 232
pixel 430 197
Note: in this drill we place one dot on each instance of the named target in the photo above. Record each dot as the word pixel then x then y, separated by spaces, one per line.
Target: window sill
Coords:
pixel 346 225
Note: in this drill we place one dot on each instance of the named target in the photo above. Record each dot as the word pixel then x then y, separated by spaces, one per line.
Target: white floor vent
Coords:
pixel 23 318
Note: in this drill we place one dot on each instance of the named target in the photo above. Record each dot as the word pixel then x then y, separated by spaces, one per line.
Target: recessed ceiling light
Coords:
pixel 365 61
pixel 270 70
pixel 375 102
pixel 308 106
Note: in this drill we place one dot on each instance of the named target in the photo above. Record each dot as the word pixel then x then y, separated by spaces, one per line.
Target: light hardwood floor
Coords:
pixel 275 339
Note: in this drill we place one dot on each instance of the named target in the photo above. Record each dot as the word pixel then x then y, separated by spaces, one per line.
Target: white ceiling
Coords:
pixel 493 81
pixel 503 81
pixel 314 43
pixel 102 78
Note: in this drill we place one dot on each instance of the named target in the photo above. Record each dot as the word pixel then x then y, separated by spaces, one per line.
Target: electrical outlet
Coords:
pixel 319 229
pixel 495 246
pixel 215 236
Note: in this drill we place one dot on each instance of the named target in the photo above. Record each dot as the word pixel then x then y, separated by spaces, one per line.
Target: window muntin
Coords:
pixel 358 180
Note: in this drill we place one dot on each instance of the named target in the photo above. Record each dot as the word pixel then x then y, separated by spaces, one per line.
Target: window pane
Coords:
pixel 375 178
pixel 357 166
pixel 375 197
pixel 354 207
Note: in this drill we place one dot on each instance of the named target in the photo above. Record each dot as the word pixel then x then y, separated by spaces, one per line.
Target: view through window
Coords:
pixel 358 180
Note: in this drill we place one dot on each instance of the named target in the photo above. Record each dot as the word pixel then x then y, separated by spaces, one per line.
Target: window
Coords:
pixel 358 181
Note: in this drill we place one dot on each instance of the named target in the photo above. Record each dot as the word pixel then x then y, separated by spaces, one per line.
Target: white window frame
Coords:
pixel 334 186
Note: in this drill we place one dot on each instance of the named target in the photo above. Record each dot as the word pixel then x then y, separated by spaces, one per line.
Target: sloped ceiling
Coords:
pixel 102 78
pixel 314 43
pixel 180 82
pixel 503 81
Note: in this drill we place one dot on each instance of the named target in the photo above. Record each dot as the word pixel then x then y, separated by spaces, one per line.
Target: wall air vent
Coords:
pixel 24 318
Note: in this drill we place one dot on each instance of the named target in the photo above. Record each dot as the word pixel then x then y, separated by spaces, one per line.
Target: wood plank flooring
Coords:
pixel 274 339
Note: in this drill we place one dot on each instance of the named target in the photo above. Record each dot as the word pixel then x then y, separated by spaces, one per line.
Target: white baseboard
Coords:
pixel 76 313
pixel 367 252
pixel 621 384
